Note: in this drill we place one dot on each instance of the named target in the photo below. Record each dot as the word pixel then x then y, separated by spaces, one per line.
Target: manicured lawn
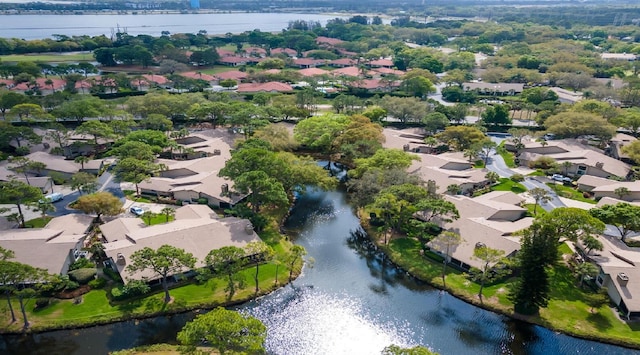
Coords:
pixel 507 184
pixel 570 192
pixel 568 308
pixel 507 156
pixel 37 222
pixel 131 195
pixel 158 219
pixel 48 58
pixel 95 306
pixel 539 210
pixel 537 173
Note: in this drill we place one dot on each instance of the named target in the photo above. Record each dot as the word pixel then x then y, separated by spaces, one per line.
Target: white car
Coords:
pixel 561 178
pixel 138 211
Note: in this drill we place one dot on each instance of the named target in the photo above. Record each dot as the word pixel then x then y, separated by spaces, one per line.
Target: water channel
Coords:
pixel 351 301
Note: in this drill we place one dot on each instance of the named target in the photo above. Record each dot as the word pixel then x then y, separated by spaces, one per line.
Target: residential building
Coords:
pixel 584 159
pixel 619 273
pixel 191 181
pixel 54 247
pixel 272 86
pixel 196 229
pixel 498 89
pixel 490 220
pixel 601 188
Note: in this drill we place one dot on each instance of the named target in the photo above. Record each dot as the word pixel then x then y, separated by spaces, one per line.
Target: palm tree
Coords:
pixel 566 165
pixel 540 195
pixel 445 243
pixel 43 206
pixel 168 212
pixel 81 159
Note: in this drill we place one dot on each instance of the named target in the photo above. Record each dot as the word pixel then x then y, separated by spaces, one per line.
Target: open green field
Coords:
pixel 48 58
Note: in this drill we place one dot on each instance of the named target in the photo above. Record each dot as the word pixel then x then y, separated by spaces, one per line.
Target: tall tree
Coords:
pixel 488 256
pixel 445 243
pixel 539 250
pixel 262 189
pixel 295 254
pixel 84 183
pixel 624 217
pixel 23 281
pixel 539 195
pixel 461 137
pixel 95 128
pixel 163 262
pixel 584 270
pixel 486 147
pixel 168 213
pixel 99 203
pixel 135 171
pixel 261 252
pixel 19 193
pixel 226 331
pixel 227 260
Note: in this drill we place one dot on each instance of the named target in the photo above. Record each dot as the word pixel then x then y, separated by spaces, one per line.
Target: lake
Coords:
pixel 353 301
pixel 44 26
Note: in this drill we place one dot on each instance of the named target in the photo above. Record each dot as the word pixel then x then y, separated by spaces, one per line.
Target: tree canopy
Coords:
pixel 225 330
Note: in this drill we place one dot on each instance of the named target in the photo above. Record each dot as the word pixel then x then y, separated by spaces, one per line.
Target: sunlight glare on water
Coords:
pixel 304 321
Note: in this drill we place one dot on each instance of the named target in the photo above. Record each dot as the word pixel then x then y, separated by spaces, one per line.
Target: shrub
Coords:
pixel 83 276
pixel 42 302
pixel 98 283
pixel 81 263
pixel 58 178
pixel 112 274
pixel 203 201
pixel 56 151
pixel 117 293
pixel 136 287
pixel 133 288
pixel 517 177
pixel 22 151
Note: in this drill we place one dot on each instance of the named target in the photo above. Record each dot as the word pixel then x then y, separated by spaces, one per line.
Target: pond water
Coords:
pixel 351 301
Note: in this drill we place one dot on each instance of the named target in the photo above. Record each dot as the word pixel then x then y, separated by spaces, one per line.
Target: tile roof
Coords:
pixel 272 86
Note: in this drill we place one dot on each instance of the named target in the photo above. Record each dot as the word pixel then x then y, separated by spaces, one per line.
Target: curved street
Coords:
pixel 496 163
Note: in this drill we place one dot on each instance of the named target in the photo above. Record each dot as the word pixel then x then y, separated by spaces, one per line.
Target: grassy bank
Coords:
pixel 568 310
pixel 97 307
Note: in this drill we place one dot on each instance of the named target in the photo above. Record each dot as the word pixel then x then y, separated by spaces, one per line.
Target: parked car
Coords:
pixel 54 197
pixel 560 178
pixel 137 210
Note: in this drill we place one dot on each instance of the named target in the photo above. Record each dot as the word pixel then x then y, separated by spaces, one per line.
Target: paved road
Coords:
pixel 106 182
pixel 497 164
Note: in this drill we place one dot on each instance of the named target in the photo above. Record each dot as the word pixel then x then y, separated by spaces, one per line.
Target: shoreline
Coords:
pixel 490 307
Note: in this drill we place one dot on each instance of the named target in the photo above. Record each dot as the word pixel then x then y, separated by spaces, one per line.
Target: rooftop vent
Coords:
pixel 248 228
pixel 120 259
pixel 623 279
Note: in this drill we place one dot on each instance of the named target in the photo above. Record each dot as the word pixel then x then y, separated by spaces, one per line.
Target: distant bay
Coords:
pixel 44 26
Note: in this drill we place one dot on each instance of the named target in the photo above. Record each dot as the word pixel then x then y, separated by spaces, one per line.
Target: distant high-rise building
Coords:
pixel 195 4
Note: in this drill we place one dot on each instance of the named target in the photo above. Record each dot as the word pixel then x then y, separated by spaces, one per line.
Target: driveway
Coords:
pixel 497 164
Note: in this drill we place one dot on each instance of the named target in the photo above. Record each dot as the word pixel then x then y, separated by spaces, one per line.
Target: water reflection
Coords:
pixel 353 301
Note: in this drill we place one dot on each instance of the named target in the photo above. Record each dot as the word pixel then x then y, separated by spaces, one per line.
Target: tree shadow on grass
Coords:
pixel 128 307
pixel 599 321
pixel 563 286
